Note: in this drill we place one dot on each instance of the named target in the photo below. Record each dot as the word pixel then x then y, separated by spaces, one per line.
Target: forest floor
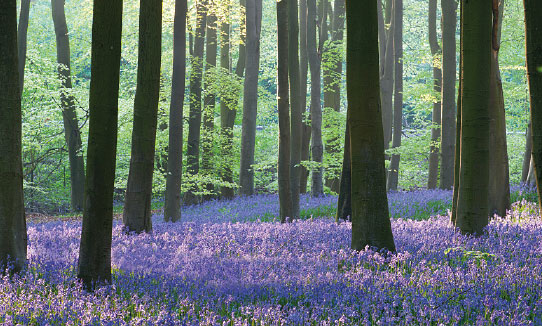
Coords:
pixel 233 263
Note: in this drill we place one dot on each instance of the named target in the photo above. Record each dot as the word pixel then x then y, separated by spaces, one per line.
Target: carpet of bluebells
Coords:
pixel 232 263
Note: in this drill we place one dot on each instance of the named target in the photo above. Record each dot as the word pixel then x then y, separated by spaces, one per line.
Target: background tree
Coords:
pixel 533 49
pixel 250 100
pixel 386 68
pixel 370 215
pixel 436 53
pixel 344 202
pixel 499 184
pixel 194 118
pixel 12 216
pixel 95 249
pixel 69 114
pixel 317 148
pixel 472 207
pixel 285 199
pixel 172 202
pixel 303 74
pixel 447 138
pixel 22 33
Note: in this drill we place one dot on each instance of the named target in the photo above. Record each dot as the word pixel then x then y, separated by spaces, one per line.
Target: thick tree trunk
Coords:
pixel 137 205
pixel 227 114
pixel 436 52
pixel 296 117
pixel 12 217
pixel 447 137
pixel 499 184
pixel 250 100
pixel 533 46
pixel 472 207
pixel 393 174
pixel 194 118
pixel 303 66
pixel 22 33
pixel 209 103
pixel 95 250
pixel 317 147
pixel 370 215
pixel 69 114
pixel 344 202
pixel 527 154
pixel 285 198
pixel 172 202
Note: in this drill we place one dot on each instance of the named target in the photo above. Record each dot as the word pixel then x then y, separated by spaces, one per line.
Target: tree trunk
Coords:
pixel 447 138
pixel 194 118
pixel 172 202
pixel 317 188
pixel 303 66
pixel 95 250
pixel 457 157
pixel 472 201
pixel 527 155
pixel 344 202
pixel 370 215
pixel 386 74
pixel 285 198
pixel 436 53
pixel 296 117
pixel 499 184
pixel 137 205
pixel 69 114
pixel 393 174
pixel 531 176
pixel 21 39
pixel 12 217
pixel 209 103
pixel 227 113
pixel 533 41
pixel 250 100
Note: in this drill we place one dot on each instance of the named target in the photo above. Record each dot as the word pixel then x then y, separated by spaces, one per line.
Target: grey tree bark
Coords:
pixel 22 33
pixel 95 250
pixel 250 99
pixel 303 66
pixel 172 202
pixel 13 238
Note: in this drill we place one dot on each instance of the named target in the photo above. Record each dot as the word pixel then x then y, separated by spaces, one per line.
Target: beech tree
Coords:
pixel 386 66
pixel 472 197
pixel 371 224
pixel 303 74
pixel 533 49
pixel 69 114
pixel 13 239
pixel 285 198
pixel 250 100
pixel 22 33
pixel 172 202
pixel 95 250
pixel 436 52
pixel 447 126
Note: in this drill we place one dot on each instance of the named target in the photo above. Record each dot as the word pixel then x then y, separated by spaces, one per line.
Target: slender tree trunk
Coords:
pixel 194 118
pixel 533 46
pixel 436 52
pixel 370 215
pixel 447 138
pixel 344 202
pixel 531 176
pixel 472 207
pixel 209 103
pixel 69 114
pixel 250 100
pixel 13 239
pixel 137 205
pixel 499 182
pixel 393 174
pixel 172 202
pixel 386 76
pixel 241 61
pixel 316 106
pixel 303 66
pixel 95 251
pixel 22 33
pixel 296 117
pixel 227 112
pixel 527 155
pixel 285 198
pixel 457 157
